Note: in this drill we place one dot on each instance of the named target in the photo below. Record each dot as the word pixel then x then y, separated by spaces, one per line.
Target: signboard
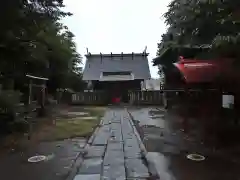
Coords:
pixel 151 84
pixel 142 85
pixel 89 84
pixel 227 101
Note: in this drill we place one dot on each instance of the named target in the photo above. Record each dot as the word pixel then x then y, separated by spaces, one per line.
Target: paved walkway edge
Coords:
pixel 151 164
pixel 79 158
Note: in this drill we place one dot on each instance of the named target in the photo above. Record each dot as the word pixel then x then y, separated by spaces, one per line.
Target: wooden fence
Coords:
pixel 103 98
pixel 90 98
pixel 146 97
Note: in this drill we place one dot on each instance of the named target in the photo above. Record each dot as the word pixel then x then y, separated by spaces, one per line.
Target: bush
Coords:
pixel 19 126
pixel 9 101
pixel 8 106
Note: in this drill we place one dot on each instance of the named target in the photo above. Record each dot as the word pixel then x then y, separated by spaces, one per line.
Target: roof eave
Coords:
pixel 117 55
pixel 156 61
pixel 163 51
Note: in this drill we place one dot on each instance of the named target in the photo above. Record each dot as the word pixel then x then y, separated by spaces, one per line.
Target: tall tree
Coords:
pixel 197 22
pixel 34 41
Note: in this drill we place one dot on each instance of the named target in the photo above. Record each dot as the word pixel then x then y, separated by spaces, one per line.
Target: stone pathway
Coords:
pixel 114 151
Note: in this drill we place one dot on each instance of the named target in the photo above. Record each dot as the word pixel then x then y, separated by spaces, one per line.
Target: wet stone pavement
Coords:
pixel 114 151
pixel 130 143
pixel 168 147
pixel 60 158
pixel 61 155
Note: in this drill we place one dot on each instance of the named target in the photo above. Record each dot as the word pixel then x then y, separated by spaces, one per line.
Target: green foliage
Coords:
pixel 33 41
pixel 197 22
pixel 8 100
pixel 8 105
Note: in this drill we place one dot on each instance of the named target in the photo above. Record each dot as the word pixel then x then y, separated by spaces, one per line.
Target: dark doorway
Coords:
pixel 125 97
pixel 118 89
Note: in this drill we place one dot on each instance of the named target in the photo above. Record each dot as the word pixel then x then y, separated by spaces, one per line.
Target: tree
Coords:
pixel 197 22
pixel 34 41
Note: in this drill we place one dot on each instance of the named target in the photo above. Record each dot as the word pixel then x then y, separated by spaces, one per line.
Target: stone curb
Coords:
pixel 151 165
pixel 79 158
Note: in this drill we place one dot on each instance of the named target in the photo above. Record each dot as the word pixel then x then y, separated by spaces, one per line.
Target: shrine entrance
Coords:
pixel 37 93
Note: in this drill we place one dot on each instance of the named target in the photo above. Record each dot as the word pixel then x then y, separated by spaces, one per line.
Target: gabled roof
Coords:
pixel 135 63
pixel 169 54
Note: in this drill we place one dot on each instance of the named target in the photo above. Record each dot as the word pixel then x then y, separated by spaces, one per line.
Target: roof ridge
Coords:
pixel 117 54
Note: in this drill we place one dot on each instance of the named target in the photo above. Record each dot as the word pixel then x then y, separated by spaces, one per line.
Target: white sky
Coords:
pixel 117 25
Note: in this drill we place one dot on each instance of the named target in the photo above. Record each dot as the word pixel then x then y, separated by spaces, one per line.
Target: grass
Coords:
pixel 72 127
pixel 64 128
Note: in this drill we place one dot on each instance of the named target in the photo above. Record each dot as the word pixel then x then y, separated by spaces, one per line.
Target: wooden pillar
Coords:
pixel 43 92
pixel 30 92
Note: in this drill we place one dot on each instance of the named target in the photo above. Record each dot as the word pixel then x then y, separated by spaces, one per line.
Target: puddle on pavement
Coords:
pixel 157 112
pixel 157 117
pixel 72 114
pixel 146 118
pixel 78 113
pixel 175 145
pixel 161 164
pixel 78 118
pixel 88 117
pixel 154 123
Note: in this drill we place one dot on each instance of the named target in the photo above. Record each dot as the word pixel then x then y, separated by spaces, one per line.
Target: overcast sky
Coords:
pixel 117 25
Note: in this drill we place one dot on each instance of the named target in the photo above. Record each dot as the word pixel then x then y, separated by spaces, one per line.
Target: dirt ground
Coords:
pixel 60 138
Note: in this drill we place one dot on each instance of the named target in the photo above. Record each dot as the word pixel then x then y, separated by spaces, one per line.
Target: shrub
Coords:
pixel 8 108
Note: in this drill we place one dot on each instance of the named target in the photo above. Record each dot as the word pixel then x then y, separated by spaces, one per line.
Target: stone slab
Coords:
pixel 129 135
pixel 133 142
pixel 95 151
pixel 132 147
pixel 116 135
pixel 126 127
pixel 115 126
pixel 91 166
pixel 87 177
pixel 136 168
pixel 115 146
pixel 113 157
pixel 104 128
pixel 101 138
pixel 116 172
pixel 116 121
pixel 132 152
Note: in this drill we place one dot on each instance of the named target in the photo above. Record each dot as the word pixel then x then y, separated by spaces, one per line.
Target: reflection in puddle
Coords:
pixel 161 164
pixel 78 113
pixel 168 152
pixel 157 123
pixel 148 119
pixel 155 116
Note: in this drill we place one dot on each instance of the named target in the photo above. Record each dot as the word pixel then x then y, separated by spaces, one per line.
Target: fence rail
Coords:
pixel 146 97
pixel 104 98
pixel 90 98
